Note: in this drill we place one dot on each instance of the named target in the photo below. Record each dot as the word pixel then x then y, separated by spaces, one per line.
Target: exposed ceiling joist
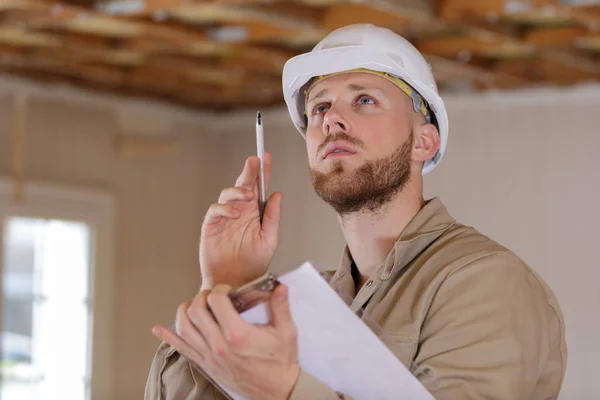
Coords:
pixel 230 53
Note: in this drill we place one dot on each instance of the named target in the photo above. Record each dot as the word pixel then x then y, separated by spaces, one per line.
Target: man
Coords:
pixel 451 300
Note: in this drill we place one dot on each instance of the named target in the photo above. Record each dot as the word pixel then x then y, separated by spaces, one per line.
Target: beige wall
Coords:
pixel 518 167
pixel 160 206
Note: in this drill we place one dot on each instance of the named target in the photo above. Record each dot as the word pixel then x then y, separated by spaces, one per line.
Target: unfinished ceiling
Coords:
pixel 225 54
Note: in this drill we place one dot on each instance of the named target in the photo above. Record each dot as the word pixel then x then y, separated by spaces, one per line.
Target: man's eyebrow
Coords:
pixel 353 87
pixel 320 94
pixel 356 88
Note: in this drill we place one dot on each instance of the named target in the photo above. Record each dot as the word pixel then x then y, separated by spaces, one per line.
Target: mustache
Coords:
pixel 340 136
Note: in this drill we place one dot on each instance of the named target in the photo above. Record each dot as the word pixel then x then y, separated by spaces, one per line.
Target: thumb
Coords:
pixel 272 216
pixel 281 316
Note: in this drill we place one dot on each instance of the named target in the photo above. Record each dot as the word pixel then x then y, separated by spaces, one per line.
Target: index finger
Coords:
pixel 248 179
pixel 230 321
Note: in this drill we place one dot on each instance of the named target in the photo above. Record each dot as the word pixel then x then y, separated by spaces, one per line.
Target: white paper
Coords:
pixel 336 347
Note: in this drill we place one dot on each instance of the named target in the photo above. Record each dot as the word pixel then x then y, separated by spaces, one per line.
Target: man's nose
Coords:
pixel 335 121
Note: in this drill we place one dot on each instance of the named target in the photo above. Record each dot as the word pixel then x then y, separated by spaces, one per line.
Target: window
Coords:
pixel 56 321
pixel 46 310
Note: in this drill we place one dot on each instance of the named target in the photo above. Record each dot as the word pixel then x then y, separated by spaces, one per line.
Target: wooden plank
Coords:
pixel 24 5
pixel 380 13
pixel 322 3
pixel 590 42
pixel 195 71
pixel 557 37
pixel 19 37
pixel 450 70
pixel 454 10
pixel 291 9
pixel 547 71
pixel 588 15
pixel 239 24
pixel 208 12
pixel 20 17
pixel 571 60
pixel 137 7
pixel 451 47
pixel 106 75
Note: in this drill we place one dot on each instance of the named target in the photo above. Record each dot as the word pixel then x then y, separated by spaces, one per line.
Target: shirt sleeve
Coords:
pixel 172 377
pixel 489 332
pixel 309 387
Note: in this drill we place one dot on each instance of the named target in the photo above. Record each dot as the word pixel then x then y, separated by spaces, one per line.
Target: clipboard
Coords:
pixel 259 291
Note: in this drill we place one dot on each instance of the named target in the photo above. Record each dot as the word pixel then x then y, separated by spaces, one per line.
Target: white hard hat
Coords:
pixel 364 46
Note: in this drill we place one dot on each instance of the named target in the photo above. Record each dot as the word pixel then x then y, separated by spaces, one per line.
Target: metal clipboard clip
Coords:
pixel 253 293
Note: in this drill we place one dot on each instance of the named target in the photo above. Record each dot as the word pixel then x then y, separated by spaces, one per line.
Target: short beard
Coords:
pixel 370 187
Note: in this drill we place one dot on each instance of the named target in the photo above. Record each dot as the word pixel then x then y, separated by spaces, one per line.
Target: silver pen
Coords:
pixel 260 149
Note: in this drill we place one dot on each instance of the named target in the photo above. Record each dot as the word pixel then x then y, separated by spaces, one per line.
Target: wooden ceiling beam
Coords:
pixel 245 23
pixel 588 15
pixel 32 5
pixel 456 10
pixel 554 37
pixel 590 42
pixel 570 60
pixel 105 75
pixel 19 37
pixel 451 47
pixel 223 53
pixel 143 80
pixel 545 70
pixel 386 14
pixel 449 70
pixel 141 8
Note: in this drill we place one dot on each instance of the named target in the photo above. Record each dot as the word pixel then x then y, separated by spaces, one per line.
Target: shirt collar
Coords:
pixel 426 226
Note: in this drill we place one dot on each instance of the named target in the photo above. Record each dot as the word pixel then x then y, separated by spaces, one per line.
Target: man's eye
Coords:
pixel 321 108
pixel 366 100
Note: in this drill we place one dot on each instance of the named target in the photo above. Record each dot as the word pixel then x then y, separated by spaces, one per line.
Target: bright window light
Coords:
pixel 47 310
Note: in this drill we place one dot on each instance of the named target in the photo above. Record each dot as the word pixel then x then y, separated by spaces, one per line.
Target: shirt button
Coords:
pixel 369 283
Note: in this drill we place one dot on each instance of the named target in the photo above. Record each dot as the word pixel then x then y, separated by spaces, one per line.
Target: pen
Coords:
pixel 260 149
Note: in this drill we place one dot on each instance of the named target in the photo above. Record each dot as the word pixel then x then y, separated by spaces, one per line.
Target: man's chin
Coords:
pixel 336 167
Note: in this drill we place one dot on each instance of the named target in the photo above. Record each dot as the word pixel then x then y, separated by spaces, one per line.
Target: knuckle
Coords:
pixel 227 192
pixel 203 296
pixel 192 313
pixel 221 351
pixel 183 307
pixel 236 340
pixel 211 298
pixel 221 289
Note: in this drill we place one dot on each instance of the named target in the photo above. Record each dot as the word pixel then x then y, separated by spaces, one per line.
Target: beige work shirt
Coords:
pixel 467 311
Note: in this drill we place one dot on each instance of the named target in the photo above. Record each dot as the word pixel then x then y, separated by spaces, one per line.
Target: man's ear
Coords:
pixel 427 143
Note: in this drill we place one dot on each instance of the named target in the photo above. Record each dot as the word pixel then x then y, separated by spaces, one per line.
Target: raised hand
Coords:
pixel 234 247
